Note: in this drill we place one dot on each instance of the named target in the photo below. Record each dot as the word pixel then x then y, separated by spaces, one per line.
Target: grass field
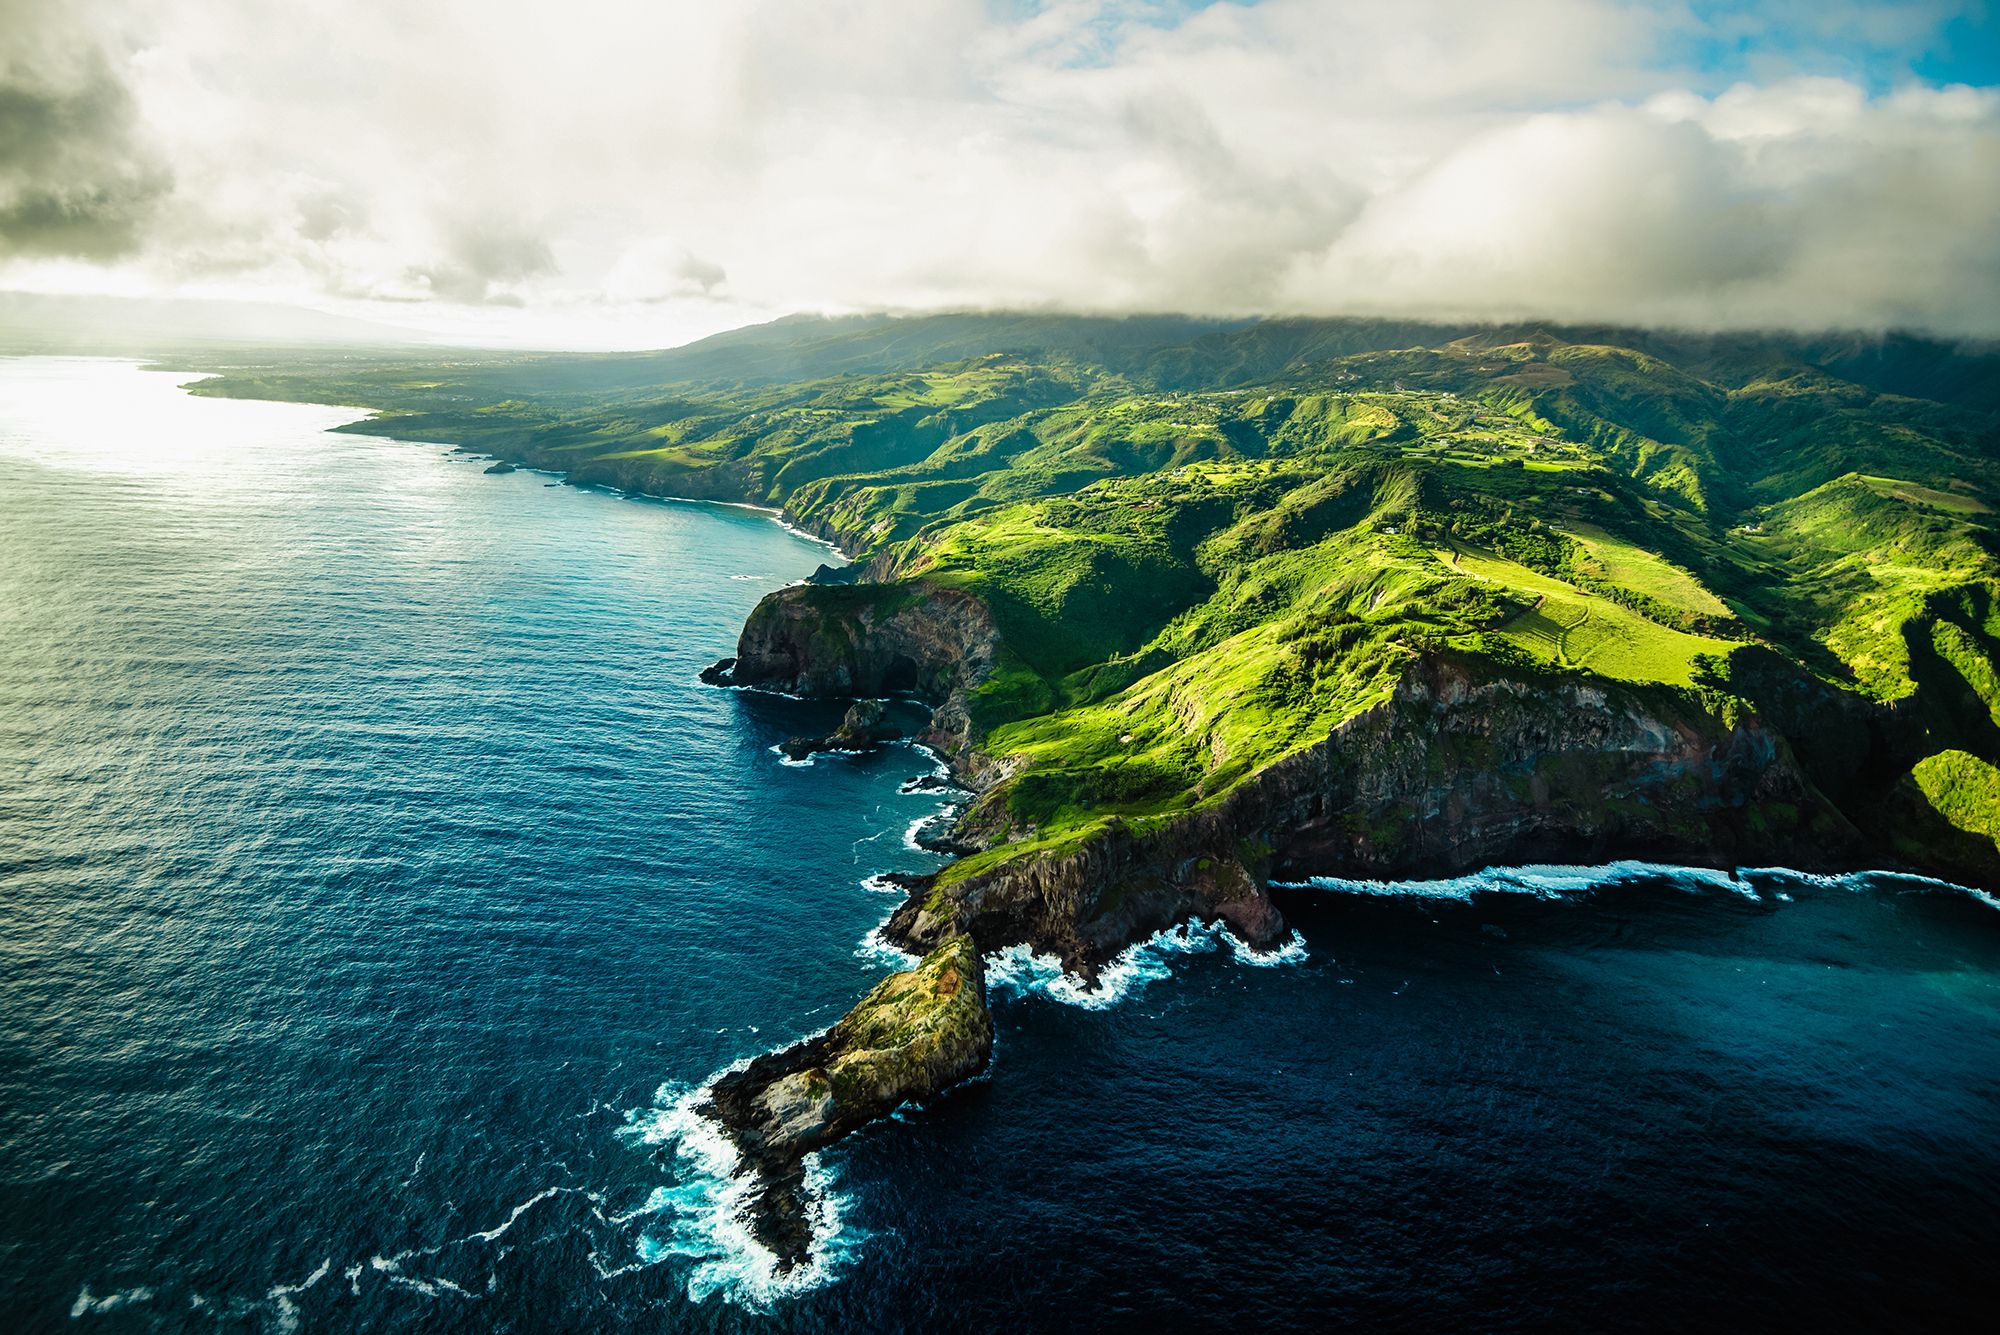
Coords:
pixel 1568 627
pixel 1950 501
pixel 1633 567
pixel 1963 789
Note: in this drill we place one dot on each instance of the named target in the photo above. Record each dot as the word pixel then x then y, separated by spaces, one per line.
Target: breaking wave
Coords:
pixel 699 1217
pixel 1569 882
pixel 1021 971
pixel 1541 881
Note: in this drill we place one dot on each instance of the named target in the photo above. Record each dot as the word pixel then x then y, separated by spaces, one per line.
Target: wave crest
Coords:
pixel 1018 969
pixel 699 1218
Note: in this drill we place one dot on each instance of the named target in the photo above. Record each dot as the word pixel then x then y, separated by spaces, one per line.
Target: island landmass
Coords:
pixel 1193 607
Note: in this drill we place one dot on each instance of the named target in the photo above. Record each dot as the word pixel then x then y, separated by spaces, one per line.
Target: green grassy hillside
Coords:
pixel 1206 544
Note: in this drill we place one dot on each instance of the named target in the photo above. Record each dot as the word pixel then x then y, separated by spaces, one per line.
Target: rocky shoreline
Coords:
pixel 915 1034
pixel 1465 764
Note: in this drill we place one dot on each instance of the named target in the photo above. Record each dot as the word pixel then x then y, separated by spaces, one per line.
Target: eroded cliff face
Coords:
pixel 874 640
pixel 1465 765
pixel 1462 767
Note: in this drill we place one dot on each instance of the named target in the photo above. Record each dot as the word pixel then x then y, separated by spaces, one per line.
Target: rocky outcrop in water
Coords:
pixel 914 1035
pixel 864 728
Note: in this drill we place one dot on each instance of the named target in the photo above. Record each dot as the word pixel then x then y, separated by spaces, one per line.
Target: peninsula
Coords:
pixel 1195 606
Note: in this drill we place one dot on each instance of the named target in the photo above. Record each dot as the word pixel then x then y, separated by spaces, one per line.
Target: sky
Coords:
pixel 634 173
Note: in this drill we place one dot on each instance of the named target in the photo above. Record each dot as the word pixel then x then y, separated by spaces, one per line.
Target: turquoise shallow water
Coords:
pixel 374 879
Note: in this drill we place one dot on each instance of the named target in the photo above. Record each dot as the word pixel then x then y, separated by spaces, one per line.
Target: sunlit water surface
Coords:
pixel 375 881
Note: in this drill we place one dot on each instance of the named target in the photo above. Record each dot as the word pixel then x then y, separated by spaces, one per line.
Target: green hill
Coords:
pixel 1204 545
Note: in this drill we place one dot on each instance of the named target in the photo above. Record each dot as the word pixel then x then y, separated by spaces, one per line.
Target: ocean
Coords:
pixel 377 882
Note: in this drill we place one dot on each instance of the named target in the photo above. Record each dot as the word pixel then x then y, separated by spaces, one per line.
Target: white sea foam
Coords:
pixel 1877 880
pixel 281 1295
pixel 89 1304
pixel 878 949
pixel 752 690
pixel 939 770
pixel 1019 970
pixel 1540 881
pixel 701 1217
pixel 493 1233
pixel 1293 951
pixel 1576 882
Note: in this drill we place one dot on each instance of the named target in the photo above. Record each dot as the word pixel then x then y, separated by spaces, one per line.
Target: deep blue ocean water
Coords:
pixel 375 880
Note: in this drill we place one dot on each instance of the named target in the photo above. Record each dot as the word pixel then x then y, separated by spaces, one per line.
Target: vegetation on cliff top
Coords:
pixel 1963 789
pixel 1206 544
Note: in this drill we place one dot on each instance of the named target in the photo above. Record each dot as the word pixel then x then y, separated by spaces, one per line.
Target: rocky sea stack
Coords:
pixel 862 729
pixel 914 1035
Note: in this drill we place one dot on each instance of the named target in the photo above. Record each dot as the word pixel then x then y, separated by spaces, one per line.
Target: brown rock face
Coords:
pixel 1465 767
pixel 1462 768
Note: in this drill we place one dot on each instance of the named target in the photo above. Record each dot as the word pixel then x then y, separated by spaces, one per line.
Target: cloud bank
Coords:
pixel 654 169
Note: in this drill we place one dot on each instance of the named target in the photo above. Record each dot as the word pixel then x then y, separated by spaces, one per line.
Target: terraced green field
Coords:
pixel 1569 627
pixel 1631 566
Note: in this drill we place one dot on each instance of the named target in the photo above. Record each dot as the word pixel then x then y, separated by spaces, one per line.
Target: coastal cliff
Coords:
pixel 1462 767
pixel 871 641
pixel 1464 763
pixel 914 1035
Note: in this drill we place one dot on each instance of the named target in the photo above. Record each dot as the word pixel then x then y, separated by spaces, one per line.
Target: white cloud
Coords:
pixel 621 170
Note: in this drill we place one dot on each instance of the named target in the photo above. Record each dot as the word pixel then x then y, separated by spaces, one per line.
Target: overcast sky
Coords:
pixel 637 172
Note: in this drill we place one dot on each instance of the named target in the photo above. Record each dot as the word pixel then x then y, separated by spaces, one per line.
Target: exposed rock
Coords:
pixel 1463 767
pixel 941 834
pixel 502 467
pixel 718 674
pixel 873 641
pixel 864 728
pixel 827 574
pixel 914 1035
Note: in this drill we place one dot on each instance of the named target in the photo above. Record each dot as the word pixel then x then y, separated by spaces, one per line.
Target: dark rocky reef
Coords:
pixel 502 467
pixel 914 1035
